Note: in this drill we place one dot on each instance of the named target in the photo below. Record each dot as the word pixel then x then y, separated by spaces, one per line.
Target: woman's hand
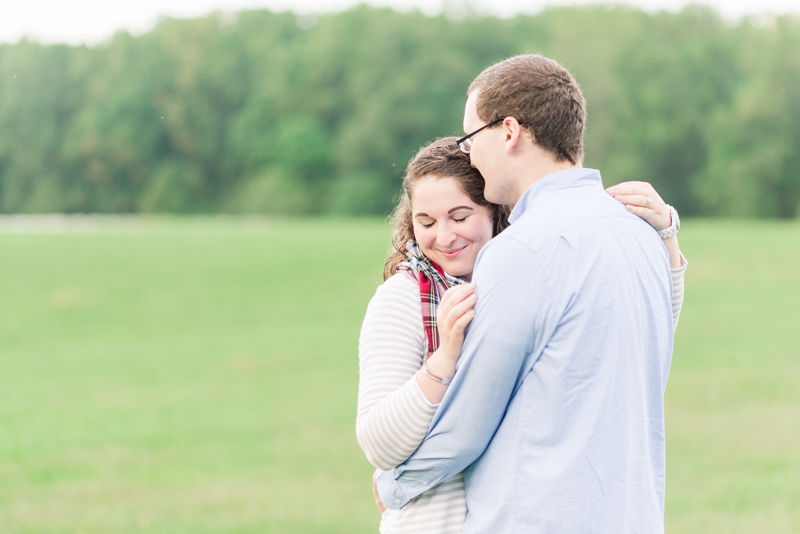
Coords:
pixel 453 315
pixel 381 507
pixel 640 198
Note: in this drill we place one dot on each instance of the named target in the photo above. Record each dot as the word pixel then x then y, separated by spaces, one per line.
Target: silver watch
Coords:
pixel 674 227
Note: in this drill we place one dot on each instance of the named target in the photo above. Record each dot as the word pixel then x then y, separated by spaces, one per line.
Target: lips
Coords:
pixel 452 253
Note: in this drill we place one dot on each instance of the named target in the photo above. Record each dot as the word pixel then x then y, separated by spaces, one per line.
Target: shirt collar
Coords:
pixel 553 182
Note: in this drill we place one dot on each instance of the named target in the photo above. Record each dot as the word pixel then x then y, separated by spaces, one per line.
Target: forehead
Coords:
pixel 471 120
pixel 435 194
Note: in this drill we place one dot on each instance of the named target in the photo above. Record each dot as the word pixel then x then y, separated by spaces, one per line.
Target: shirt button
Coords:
pixel 424 482
pixel 397 501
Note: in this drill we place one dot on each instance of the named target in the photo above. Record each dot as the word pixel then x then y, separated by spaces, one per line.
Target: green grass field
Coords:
pixel 200 375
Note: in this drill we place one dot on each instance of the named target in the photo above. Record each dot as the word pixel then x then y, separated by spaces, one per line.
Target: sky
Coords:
pixel 93 21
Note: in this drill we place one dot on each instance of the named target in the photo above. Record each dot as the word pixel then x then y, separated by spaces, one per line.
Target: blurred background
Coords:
pixel 192 222
pixel 284 113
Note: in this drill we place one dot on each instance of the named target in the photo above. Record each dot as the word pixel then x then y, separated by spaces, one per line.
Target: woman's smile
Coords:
pixel 453 252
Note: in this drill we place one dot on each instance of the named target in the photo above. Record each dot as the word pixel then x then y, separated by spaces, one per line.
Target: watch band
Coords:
pixel 674 227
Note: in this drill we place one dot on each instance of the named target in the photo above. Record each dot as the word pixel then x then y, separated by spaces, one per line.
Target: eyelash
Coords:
pixel 456 220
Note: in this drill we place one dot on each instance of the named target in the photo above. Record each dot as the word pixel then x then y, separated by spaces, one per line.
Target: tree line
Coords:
pixel 277 113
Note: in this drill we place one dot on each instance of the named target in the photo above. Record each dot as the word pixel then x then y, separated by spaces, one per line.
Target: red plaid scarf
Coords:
pixel 433 282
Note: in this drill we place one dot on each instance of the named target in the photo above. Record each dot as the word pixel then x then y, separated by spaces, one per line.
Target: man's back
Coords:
pixel 581 446
pixel 558 399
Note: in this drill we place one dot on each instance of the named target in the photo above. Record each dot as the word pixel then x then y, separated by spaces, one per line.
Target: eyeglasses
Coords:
pixel 465 143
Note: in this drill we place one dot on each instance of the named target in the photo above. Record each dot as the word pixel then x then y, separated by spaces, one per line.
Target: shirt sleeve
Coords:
pixel 393 413
pixel 677 291
pixel 497 350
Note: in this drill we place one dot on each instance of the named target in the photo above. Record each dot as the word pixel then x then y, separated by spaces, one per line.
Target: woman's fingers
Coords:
pixel 640 198
pixel 446 297
pixel 658 216
pixel 634 188
pixel 641 212
pixel 641 201
pixel 453 291
pixel 449 318
pixel 461 324
pixel 453 296
pixel 462 307
pixel 452 338
pixel 454 317
pixel 376 495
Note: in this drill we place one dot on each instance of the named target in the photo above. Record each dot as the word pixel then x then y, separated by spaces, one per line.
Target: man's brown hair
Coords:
pixel 543 97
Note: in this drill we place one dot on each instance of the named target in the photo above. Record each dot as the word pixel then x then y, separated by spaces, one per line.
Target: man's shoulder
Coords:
pixel 507 257
pixel 533 232
pixel 569 212
pixel 552 238
pixel 512 241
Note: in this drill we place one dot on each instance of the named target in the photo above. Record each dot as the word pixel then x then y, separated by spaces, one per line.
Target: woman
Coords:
pixel 414 327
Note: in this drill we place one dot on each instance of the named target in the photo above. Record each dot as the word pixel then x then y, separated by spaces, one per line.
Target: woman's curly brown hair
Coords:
pixel 442 159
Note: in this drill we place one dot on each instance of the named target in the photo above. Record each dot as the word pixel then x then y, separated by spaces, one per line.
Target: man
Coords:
pixel 556 410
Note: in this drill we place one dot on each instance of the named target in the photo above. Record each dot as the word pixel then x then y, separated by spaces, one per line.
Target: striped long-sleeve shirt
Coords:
pixel 393 413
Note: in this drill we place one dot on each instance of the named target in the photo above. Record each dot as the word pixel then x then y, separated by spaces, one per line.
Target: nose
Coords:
pixel 445 236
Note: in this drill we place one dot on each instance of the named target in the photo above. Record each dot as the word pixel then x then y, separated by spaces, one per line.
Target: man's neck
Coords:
pixel 539 169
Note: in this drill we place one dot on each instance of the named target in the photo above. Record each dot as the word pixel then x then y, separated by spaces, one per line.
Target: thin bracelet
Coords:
pixel 445 381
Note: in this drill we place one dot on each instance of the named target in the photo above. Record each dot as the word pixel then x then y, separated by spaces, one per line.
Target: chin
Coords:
pixel 457 270
pixel 497 192
pixel 493 195
pixel 501 200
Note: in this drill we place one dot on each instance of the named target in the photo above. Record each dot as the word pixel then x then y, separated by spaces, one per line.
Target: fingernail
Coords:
pixel 629 208
pixel 610 190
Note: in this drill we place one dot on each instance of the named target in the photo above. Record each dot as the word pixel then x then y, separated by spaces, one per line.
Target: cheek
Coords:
pixel 481 163
pixel 480 231
pixel 425 237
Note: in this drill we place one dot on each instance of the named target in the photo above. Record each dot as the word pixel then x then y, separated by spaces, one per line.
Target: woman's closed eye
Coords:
pixel 428 225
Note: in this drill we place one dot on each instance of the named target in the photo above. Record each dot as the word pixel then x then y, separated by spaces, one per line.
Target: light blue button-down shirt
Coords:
pixel 556 411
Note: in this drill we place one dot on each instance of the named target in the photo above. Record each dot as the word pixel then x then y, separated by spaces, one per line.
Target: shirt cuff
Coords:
pixel 390 493
pixel 399 485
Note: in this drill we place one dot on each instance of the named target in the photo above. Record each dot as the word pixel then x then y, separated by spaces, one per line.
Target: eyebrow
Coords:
pixel 451 210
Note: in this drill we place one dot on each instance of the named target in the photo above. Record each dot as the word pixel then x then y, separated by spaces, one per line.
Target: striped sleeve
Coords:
pixel 393 413
pixel 677 291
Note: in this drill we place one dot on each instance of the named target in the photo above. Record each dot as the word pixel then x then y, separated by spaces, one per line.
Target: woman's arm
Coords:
pixel 397 399
pixel 393 414
pixel 677 293
pixel 676 260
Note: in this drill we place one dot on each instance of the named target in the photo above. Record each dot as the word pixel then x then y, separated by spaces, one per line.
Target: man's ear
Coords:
pixel 514 135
